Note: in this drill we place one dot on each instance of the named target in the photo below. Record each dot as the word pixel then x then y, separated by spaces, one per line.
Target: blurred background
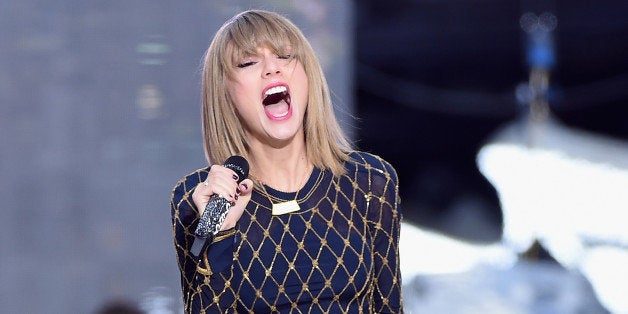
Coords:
pixel 506 122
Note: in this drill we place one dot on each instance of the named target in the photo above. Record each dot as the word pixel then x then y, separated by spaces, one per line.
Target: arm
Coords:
pixel 204 281
pixel 184 217
pixel 385 210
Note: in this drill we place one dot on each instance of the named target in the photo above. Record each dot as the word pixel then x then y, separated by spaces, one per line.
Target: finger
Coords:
pixel 228 189
pixel 221 182
pixel 223 171
pixel 246 186
pixel 220 185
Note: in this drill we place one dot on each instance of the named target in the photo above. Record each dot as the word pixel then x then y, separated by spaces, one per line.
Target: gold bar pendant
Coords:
pixel 285 207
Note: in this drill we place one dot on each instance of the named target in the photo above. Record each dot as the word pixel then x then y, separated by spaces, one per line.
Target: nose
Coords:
pixel 271 66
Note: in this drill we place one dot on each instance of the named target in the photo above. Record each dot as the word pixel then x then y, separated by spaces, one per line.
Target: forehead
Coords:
pixel 249 32
pixel 254 45
pixel 239 53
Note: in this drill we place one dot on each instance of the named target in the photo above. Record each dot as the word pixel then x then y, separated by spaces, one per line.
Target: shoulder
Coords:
pixel 184 186
pixel 373 164
pixel 377 179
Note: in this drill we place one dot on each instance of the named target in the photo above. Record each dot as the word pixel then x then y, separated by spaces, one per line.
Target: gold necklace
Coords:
pixel 284 207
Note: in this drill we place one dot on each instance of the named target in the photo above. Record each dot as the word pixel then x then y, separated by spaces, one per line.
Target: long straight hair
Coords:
pixel 327 145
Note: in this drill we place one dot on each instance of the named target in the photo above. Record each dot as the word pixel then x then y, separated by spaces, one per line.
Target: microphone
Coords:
pixel 217 208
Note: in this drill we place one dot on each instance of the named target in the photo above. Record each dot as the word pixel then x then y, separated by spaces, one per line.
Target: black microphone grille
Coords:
pixel 239 165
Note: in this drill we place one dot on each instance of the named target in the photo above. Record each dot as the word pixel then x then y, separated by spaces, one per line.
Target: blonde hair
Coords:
pixel 327 146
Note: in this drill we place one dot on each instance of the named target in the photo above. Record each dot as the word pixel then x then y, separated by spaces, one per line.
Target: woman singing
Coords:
pixel 315 226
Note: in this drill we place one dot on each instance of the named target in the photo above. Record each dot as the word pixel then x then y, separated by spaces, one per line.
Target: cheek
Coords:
pixel 237 94
pixel 303 88
pixel 242 91
pixel 234 91
pixel 242 103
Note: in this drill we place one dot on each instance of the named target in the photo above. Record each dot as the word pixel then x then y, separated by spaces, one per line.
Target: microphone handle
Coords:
pixel 214 215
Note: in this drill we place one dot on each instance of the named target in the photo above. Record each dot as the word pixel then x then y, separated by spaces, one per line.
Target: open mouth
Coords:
pixel 277 102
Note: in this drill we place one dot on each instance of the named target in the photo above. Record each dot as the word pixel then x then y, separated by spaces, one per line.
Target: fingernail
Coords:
pixel 245 186
pixel 235 177
pixel 236 196
pixel 238 191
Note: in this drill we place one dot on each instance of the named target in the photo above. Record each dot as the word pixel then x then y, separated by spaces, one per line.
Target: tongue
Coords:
pixel 277 109
pixel 273 99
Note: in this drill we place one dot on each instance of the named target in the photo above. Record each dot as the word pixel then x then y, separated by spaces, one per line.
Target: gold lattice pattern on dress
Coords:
pixel 339 254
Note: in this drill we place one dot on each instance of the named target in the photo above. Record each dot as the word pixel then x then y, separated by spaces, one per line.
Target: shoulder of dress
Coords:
pixel 363 161
pixel 189 182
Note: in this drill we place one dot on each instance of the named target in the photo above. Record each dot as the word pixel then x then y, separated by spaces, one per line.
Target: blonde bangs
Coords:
pixel 246 33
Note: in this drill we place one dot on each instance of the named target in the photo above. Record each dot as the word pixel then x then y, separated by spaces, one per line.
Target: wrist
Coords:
pixel 227 224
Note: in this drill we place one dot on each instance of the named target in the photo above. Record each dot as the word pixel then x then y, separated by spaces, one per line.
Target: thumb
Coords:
pixel 235 212
pixel 246 186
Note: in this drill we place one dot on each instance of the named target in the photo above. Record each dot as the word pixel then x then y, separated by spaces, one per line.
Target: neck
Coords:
pixel 284 168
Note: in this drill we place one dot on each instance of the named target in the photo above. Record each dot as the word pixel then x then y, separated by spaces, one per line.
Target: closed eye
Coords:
pixel 245 64
pixel 285 57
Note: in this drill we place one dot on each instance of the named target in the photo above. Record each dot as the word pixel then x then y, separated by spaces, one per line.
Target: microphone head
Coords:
pixel 239 165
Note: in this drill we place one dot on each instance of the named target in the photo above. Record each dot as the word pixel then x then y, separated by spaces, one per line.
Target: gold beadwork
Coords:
pixel 335 242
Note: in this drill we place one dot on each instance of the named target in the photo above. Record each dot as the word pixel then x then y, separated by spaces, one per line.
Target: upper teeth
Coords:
pixel 275 90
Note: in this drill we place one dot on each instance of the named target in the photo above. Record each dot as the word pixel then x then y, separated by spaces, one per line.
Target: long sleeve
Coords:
pixel 212 269
pixel 385 213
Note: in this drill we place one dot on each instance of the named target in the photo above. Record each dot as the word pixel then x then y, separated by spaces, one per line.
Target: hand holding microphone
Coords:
pixel 223 196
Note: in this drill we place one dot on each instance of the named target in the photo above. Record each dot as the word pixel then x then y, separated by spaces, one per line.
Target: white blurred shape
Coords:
pixel 605 267
pixel 424 252
pixel 157 301
pixel 568 190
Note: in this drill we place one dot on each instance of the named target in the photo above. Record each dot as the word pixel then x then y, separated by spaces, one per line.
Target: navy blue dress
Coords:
pixel 337 254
